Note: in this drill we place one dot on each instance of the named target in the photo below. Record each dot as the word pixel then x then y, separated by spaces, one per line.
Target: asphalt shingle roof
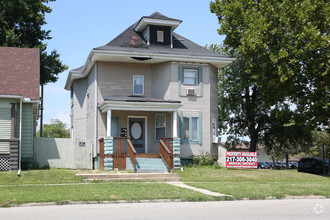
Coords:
pixel 131 41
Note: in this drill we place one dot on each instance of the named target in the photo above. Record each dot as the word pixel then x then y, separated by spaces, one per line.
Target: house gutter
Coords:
pixel 95 54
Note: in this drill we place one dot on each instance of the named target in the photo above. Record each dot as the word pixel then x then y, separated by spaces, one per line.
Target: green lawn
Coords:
pixel 112 191
pixel 257 184
pixel 39 177
pixel 253 184
pixel 32 187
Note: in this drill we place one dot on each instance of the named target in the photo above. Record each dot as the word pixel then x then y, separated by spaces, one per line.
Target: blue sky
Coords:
pixel 78 26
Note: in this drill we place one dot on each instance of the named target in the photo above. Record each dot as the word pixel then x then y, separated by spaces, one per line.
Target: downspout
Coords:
pixel 95 106
pixel 20 137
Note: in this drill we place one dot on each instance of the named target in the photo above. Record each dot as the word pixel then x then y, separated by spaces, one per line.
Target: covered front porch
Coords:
pixel 141 134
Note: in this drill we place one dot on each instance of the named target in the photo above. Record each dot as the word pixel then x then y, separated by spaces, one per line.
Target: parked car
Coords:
pixel 262 165
pixel 311 165
pixel 293 165
pixel 270 165
pixel 279 165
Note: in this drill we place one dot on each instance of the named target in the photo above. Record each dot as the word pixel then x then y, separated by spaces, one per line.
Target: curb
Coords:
pixel 145 201
pixel 94 202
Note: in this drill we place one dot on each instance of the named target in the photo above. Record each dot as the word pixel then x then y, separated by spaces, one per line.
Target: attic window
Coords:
pixel 160 36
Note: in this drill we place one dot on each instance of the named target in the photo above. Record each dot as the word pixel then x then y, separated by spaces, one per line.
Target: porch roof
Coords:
pixel 138 103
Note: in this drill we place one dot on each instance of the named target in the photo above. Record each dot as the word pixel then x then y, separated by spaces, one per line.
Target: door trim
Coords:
pixel 145 127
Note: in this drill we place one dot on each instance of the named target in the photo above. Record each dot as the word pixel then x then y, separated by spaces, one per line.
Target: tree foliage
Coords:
pixel 21 24
pixel 56 129
pixel 282 60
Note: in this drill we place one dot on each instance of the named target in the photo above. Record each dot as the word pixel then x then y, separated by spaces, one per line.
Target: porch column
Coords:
pixel 109 123
pixel 175 124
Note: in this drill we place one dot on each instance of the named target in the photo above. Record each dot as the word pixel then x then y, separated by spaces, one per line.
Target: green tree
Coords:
pixel 21 24
pixel 56 129
pixel 281 47
pixel 320 138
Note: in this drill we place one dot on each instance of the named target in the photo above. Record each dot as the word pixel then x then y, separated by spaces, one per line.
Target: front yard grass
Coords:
pixel 32 187
pixel 51 176
pixel 257 184
pixel 96 192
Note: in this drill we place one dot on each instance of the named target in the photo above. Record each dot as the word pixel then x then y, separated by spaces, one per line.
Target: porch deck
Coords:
pixel 125 157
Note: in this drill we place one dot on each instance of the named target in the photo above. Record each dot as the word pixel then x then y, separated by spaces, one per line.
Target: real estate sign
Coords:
pixel 243 160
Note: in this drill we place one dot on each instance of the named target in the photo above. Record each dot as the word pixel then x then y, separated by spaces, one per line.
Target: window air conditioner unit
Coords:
pixel 216 140
pixel 191 91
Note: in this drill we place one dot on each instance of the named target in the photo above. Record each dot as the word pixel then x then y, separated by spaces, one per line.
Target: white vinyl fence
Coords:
pixel 63 153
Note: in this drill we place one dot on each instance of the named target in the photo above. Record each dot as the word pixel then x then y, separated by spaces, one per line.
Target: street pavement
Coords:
pixel 244 209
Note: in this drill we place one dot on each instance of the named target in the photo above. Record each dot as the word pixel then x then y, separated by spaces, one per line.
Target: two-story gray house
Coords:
pixel 148 83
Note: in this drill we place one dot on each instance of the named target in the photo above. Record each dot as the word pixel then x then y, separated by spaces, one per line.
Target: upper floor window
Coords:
pixel 190 77
pixel 138 85
pixel 160 36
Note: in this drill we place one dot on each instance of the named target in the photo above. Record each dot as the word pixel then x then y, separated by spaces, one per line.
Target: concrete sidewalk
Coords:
pixel 204 191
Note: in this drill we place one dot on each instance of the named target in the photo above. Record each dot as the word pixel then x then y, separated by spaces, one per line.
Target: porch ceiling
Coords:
pixel 138 104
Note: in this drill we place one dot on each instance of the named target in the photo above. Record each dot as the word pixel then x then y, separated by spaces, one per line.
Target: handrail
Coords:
pixel 131 153
pixel 168 142
pixel 166 155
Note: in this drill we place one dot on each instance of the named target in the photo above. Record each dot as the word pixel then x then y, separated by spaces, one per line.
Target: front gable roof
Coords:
pixel 20 72
pixel 131 47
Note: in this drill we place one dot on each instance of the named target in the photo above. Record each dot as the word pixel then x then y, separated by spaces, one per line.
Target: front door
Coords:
pixel 137 134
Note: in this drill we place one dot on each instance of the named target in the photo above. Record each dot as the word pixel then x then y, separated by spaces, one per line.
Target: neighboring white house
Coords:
pixel 147 83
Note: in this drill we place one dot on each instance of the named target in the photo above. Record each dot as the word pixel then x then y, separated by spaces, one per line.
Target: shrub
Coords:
pixel 204 160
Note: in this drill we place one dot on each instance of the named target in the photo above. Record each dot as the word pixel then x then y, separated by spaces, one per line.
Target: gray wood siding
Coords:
pixel 193 105
pixel 90 111
pixel 117 79
pixel 79 102
pixel 161 79
pixel 27 129
pixel 214 104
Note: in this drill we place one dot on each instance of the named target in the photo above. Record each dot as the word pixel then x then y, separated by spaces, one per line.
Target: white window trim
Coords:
pixel 142 85
pixel 156 124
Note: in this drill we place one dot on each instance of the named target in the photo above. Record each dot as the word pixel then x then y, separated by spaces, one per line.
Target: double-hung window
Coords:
pixel 190 128
pixel 190 76
pixel 160 125
pixel 138 85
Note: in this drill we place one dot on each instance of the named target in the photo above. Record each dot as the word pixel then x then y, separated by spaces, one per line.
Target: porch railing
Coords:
pixel 119 152
pixel 122 147
pixel 131 153
pixel 166 155
pixel 168 142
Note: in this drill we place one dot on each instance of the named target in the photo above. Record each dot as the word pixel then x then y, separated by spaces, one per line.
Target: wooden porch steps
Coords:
pixel 160 177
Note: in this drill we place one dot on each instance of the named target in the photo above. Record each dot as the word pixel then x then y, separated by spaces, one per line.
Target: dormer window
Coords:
pixel 138 85
pixel 160 36
pixel 157 29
